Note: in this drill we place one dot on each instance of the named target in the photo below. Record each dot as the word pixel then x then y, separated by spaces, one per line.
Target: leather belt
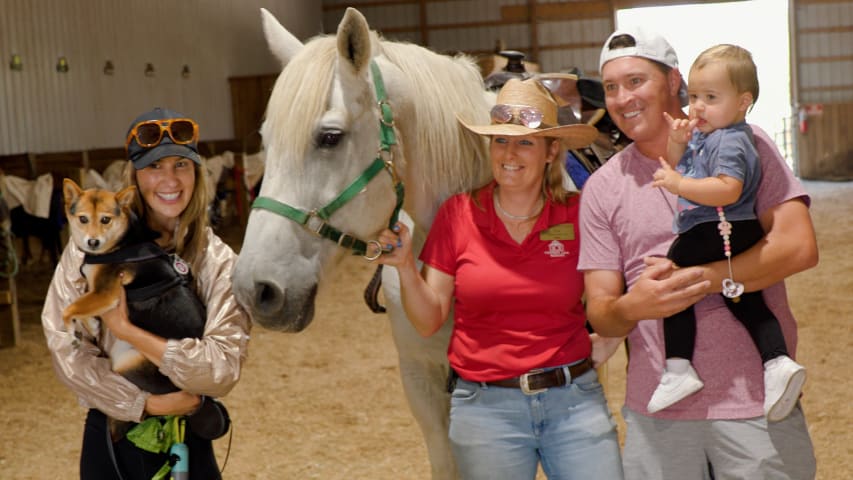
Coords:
pixel 536 381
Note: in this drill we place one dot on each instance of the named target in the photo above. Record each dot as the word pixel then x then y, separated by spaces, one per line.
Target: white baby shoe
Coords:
pixel 673 388
pixel 783 382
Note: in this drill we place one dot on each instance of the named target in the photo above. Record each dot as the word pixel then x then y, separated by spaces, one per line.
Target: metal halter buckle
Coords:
pixel 319 223
pixel 524 382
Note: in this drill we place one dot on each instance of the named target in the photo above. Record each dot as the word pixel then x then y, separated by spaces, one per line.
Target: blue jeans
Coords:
pixel 502 433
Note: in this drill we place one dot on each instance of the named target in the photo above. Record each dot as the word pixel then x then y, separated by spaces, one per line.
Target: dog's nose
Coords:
pixel 93 242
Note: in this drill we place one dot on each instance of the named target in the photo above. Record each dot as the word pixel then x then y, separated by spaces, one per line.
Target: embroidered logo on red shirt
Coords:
pixel 556 249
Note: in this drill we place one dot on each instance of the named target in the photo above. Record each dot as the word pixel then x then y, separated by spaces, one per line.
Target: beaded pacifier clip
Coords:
pixel 731 288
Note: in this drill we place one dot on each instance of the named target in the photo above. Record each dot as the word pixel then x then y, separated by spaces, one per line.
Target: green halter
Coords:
pixel 315 220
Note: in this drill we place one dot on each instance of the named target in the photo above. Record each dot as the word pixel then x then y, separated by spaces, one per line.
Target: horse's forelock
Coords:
pixel 298 99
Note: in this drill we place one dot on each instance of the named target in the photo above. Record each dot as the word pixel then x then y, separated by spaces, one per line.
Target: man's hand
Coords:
pixel 664 289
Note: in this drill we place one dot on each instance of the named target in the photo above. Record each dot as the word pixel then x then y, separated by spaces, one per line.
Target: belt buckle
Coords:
pixel 524 382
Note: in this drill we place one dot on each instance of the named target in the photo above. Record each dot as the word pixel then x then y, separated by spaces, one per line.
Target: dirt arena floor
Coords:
pixel 328 404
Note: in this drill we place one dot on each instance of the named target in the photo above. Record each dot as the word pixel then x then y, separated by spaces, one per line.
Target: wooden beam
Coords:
pixel 450 26
pixel 557 11
pixel 377 3
pixel 620 4
pixel 828 88
pixel 570 46
pixel 826 59
pixel 818 2
pixel 837 29
pixel 533 29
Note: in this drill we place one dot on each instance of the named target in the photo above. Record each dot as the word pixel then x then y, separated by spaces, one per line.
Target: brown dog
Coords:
pixel 98 220
pixel 121 253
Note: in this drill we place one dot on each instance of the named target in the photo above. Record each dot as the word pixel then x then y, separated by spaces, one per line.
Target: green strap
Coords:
pixel 352 190
pixel 282 209
pixel 386 122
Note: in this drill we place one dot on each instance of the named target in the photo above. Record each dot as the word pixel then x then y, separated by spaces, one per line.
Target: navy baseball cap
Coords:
pixel 144 156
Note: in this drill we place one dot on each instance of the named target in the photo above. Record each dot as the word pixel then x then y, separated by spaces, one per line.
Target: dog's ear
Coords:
pixel 125 196
pixel 71 192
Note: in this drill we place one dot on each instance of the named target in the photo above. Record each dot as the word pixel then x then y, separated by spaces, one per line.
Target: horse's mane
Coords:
pixel 452 158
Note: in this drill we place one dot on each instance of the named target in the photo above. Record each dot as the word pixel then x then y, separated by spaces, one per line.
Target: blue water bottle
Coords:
pixel 180 454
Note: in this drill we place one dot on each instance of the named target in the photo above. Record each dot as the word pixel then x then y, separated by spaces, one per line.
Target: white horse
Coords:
pixel 326 172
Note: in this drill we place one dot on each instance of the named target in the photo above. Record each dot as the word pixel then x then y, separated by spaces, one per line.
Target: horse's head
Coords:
pixel 321 132
pixel 322 136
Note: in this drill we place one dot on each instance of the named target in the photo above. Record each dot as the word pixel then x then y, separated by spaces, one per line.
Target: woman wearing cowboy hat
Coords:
pixel 504 257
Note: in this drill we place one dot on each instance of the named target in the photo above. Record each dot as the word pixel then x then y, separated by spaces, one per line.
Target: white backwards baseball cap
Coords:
pixel 648 45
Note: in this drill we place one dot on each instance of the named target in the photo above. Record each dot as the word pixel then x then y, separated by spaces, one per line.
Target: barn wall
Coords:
pixel 823 75
pixel 42 110
pixel 556 34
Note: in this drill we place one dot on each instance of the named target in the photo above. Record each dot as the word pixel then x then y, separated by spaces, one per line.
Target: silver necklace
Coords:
pixel 497 203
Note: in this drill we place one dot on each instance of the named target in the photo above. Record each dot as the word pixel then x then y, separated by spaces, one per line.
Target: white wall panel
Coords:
pixel 378 17
pixel 42 110
pixel 824 45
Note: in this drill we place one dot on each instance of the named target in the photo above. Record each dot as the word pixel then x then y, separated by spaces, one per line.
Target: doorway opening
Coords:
pixel 690 29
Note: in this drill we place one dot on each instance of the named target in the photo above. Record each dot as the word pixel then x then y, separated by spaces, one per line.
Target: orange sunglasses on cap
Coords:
pixel 150 132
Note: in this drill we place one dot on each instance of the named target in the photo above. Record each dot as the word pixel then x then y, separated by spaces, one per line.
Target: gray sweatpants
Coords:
pixel 733 449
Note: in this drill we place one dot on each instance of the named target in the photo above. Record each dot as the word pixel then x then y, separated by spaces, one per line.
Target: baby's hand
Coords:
pixel 666 177
pixel 680 129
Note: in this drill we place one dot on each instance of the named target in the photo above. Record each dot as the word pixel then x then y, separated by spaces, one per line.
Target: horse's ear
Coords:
pixel 354 40
pixel 282 43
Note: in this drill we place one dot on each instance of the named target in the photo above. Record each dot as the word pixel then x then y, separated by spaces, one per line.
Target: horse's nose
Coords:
pixel 269 298
pixel 287 310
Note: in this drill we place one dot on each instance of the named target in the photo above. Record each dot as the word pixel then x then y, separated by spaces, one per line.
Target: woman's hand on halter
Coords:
pixel 397 245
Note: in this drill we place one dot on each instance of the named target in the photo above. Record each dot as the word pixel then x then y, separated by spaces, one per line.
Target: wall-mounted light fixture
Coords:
pixel 185 72
pixel 149 70
pixel 16 64
pixel 62 64
pixel 109 69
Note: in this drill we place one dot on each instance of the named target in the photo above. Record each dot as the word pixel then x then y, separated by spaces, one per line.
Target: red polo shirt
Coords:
pixel 517 307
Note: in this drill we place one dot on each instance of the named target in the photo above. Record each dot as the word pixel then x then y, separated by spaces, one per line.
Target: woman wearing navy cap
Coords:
pixel 164 165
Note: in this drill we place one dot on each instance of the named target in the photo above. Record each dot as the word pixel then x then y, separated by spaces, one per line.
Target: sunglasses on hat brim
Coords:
pixel 530 117
pixel 149 133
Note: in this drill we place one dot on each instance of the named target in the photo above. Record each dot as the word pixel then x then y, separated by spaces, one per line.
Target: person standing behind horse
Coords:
pixel 626 227
pixel 172 200
pixel 504 258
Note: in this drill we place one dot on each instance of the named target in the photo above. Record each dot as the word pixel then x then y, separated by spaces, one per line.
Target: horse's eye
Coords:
pixel 106 220
pixel 329 138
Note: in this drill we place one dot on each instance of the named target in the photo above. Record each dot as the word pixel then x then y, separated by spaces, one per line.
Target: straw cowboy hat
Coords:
pixel 519 104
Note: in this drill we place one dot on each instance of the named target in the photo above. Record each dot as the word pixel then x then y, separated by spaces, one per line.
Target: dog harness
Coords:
pixel 151 279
